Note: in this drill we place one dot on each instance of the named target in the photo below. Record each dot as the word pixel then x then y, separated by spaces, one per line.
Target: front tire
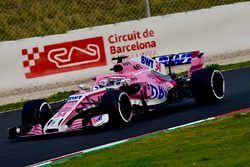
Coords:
pixel 207 86
pixel 36 112
pixel 118 106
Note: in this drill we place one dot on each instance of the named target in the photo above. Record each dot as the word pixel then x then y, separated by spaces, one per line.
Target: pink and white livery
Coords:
pixel 136 85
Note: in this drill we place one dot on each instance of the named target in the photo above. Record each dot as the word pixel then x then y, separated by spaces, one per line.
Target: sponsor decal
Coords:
pixel 99 120
pixel 157 66
pixel 137 67
pixel 151 63
pixel 64 57
pixel 157 92
pixel 181 58
pixel 74 98
pixel 148 62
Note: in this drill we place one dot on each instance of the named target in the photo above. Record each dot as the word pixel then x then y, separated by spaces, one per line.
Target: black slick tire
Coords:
pixel 207 86
pixel 36 112
pixel 117 104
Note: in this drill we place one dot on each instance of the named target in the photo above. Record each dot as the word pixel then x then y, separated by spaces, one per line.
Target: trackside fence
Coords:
pixel 23 19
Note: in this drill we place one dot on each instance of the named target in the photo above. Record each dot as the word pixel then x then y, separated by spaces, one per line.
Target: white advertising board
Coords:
pixel 87 52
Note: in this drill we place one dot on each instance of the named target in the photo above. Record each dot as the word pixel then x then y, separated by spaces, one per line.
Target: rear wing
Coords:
pixel 194 58
pixel 178 59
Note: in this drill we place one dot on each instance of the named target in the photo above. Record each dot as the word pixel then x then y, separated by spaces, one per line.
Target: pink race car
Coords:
pixel 137 85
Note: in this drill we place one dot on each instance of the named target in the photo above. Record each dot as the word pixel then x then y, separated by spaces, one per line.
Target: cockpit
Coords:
pixel 106 82
pixel 111 81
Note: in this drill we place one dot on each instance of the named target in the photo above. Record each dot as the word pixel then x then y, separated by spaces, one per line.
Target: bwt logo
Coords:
pixel 74 98
pixel 146 61
pixel 151 63
pixel 64 57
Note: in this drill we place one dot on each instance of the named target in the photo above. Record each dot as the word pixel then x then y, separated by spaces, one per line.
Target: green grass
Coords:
pixel 230 66
pixel 56 97
pixel 63 95
pixel 222 67
pixel 224 142
pixel 29 18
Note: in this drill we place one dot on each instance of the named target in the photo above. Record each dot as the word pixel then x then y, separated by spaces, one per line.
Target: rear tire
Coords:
pixel 36 112
pixel 208 86
pixel 118 106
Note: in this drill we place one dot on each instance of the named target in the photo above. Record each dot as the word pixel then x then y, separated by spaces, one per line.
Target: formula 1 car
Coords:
pixel 135 86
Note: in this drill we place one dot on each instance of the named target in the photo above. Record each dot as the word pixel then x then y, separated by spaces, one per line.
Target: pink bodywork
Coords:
pixel 135 72
pixel 197 63
pixel 154 82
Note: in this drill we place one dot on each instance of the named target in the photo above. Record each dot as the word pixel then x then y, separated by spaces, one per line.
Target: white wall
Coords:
pixel 214 31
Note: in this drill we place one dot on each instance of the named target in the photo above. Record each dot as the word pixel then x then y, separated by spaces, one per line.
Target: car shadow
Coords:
pixel 166 111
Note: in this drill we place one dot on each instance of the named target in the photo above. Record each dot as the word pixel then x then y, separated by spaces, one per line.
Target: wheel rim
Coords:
pixel 218 84
pixel 44 113
pixel 125 108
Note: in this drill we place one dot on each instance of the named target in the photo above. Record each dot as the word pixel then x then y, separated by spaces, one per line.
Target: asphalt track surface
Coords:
pixel 25 152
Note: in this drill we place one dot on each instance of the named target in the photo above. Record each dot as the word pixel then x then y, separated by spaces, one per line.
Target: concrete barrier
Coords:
pixel 87 52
